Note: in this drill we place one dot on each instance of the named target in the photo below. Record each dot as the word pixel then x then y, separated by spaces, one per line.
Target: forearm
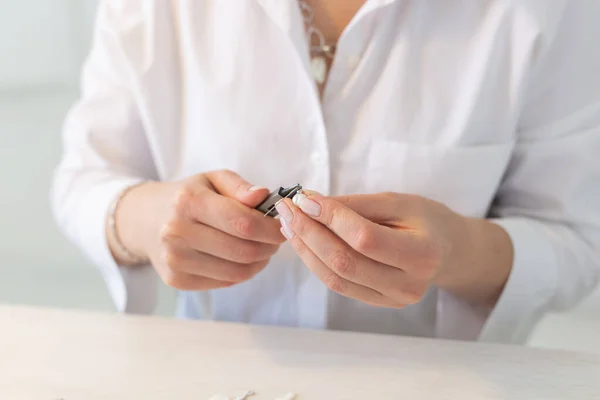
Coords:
pixel 481 264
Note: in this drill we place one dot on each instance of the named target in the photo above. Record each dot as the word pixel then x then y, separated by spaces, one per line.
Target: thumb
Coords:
pixel 381 208
pixel 229 184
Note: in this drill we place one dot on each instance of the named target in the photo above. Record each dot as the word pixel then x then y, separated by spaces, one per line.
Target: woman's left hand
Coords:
pixel 383 249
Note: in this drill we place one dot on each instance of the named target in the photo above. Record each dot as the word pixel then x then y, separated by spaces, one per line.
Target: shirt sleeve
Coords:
pixel 104 151
pixel 549 200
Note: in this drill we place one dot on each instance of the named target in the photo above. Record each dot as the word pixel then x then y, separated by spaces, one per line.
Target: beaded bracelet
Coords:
pixel 131 259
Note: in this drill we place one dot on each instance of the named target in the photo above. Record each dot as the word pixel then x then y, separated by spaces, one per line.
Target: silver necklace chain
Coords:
pixel 315 37
pixel 317 43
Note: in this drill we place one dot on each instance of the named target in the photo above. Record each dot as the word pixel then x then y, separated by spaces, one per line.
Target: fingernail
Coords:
pixel 256 188
pixel 307 205
pixel 298 198
pixel 311 192
pixel 287 230
pixel 284 211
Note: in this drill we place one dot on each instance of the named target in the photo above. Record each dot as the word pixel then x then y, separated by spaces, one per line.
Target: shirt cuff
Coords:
pixel 529 289
pixel 531 285
pixel 133 290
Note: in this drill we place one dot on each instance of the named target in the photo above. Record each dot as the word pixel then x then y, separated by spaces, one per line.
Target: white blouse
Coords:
pixel 491 107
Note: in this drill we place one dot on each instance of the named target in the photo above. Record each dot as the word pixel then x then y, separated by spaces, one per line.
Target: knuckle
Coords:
pixel 241 188
pixel 413 197
pixel 244 226
pixel 424 271
pixel 171 260
pixel 271 250
pixel 410 298
pixel 303 251
pixel 174 280
pixel 226 171
pixel 227 175
pixel 247 253
pixel 300 227
pixel 385 303
pixel 344 199
pixel 331 214
pixel 427 273
pixel 238 275
pixel 414 294
pixel 223 285
pixel 335 284
pixel 390 196
pixel 170 233
pixel 245 273
pixel 182 200
pixel 365 241
pixel 342 263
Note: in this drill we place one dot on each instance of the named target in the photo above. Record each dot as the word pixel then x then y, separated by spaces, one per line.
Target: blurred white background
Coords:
pixel 42 47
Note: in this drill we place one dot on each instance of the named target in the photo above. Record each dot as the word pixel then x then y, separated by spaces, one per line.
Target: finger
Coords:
pixel 230 216
pixel 349 264
pixel 183 281
pixel 200 264
pixel 335 282
pixel 229 184
pixel 205 239
pixel 382 208
pixel 397 248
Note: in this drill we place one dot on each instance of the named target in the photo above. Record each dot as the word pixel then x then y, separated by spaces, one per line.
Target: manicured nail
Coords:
pixel 287 230
pixel 307 205
pixel 285 212
pixel 298 198
pixel 256 188
pixel 311 192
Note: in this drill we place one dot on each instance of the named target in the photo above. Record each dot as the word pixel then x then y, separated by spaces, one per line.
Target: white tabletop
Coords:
pixel 52 354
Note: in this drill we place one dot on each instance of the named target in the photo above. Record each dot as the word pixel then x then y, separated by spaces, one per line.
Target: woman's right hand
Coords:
pixel 201 233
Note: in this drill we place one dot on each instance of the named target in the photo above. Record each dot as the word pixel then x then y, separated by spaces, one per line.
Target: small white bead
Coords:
pixel 246 395
pixel 288 396
pixel 298 198
pixel 318 67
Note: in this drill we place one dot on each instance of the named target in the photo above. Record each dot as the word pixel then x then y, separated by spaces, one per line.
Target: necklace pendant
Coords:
pixel 318 69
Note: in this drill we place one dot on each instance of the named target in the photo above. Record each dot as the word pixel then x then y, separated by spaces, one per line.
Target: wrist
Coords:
pixel 128 224
pixel 463 234
pixel 480 264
